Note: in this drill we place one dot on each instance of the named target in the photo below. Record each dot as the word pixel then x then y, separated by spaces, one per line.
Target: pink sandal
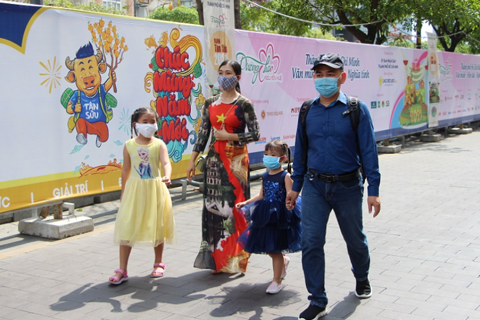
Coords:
pixel 116 280
pixel 156 273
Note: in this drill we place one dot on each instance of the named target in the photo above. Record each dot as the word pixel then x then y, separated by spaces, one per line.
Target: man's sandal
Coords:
pixel 158 270
pixel 116 280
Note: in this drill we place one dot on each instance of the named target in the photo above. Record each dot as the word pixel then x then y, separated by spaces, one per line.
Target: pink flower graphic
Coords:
pixel 222 20
pixel 270 62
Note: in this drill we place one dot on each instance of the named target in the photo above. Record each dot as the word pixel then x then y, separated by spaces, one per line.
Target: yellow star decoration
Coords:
pixel 221 118
pixel 52 75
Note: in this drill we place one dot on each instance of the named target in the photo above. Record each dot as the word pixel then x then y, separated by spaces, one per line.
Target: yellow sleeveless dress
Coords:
pixel 145 217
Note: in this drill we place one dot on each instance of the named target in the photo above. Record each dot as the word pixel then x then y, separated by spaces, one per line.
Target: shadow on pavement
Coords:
pixel 147 293
pixel 344 309
pixel 250 299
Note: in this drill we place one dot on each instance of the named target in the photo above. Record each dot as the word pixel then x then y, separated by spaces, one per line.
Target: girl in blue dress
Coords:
pixel 273 229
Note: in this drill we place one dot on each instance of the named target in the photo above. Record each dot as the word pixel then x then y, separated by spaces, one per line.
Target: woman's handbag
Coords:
pixel 201 162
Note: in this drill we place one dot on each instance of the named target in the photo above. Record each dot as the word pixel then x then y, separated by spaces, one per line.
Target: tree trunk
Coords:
pixel 238 20
pixel 419 33
pixel 200 12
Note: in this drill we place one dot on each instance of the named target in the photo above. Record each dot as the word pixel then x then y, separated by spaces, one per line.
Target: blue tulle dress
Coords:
pixel 272 228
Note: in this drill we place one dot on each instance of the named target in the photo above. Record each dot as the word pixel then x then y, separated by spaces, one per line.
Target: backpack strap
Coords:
pixel 303 122
pixel 354 113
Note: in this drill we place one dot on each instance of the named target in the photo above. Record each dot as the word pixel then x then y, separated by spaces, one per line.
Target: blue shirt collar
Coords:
pixel 342 97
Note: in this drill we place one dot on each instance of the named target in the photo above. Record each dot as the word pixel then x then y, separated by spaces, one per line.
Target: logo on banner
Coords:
pixel 446 70
pixel 262 140
pixel 220 48
pixel 220 21
pixel 275 113
pixel 387 82
pixel 264 67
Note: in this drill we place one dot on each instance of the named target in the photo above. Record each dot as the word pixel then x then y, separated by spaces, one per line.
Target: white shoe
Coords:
pixel 98 142
pixel 81 138
pixel 275 287
pixel 286 261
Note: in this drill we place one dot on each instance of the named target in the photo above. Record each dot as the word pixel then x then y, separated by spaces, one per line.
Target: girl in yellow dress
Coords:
pixel 145 217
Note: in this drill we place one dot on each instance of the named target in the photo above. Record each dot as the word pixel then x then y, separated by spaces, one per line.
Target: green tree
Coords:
pixel 319 34
pixel 92 6
pixel 473 42
pixel 255 18
pixel 367 20
pixel 180 14
pixel 452 20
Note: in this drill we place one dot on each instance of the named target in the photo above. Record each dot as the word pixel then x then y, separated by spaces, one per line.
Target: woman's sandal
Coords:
pixel 116 280
pixel 158 270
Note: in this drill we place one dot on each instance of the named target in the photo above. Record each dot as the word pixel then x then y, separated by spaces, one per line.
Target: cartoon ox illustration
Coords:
pixel 91 105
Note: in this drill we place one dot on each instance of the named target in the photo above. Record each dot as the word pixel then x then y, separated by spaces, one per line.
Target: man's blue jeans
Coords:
pixel 318 200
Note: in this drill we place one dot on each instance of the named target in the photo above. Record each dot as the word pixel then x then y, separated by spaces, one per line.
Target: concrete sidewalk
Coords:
pixel 425 248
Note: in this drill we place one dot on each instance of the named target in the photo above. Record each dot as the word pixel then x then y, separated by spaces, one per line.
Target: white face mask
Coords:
pixel 146 129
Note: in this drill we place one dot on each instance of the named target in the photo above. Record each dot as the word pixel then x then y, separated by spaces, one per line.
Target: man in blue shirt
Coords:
pixel 331 179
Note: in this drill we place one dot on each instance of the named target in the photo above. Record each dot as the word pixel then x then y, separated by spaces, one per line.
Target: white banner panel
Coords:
pixel 70 83
pixel 219 18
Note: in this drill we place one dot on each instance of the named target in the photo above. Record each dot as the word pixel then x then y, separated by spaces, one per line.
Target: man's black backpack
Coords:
pixel 354 113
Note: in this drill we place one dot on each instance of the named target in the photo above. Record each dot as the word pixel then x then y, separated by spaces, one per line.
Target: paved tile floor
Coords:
pixel 425 248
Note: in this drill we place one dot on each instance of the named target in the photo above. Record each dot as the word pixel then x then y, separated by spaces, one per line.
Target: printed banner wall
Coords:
pixel 433 81
pixel 392 81
pixel 71 80
pixel 219 18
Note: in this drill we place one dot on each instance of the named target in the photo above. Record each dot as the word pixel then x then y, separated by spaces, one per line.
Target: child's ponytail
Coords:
pixel 289 154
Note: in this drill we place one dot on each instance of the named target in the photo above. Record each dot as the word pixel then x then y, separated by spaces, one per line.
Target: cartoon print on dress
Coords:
pixel 144 170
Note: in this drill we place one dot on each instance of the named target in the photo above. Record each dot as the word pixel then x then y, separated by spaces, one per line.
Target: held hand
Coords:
pixel 167 181
pixel 291 199
pixel 78 107
pixel 113 75
pixel 222 134
pixel 240 204
pixel 70 108
pixel 374 202
pixel 191 170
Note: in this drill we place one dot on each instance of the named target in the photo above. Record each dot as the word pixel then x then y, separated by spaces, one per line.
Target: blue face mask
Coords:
pixel 271 163
pixel 326 86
